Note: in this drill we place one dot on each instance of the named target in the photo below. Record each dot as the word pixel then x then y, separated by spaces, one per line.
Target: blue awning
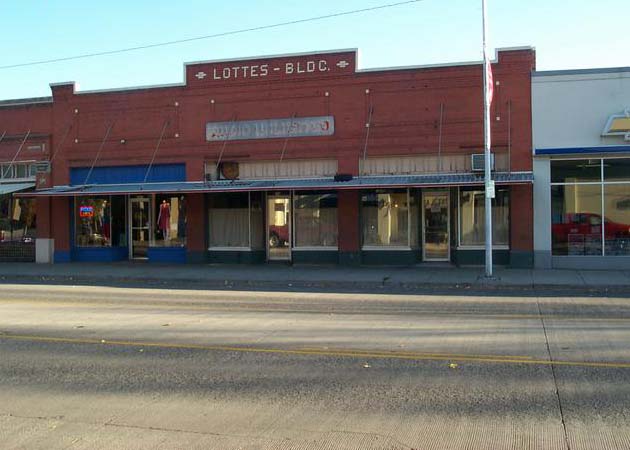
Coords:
pixel 9 188
pixel 365 182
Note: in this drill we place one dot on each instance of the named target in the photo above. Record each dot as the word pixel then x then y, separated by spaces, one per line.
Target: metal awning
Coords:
pixel 9 188
pixel 310 184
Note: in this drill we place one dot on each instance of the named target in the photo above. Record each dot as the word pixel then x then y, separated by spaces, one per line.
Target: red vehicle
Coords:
pixel 588 224
pixel 278 235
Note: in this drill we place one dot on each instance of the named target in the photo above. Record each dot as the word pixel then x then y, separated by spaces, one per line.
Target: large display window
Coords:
pixel 235 221
pixel 100 221
pixel 472 218
pixel 315 216
pixel 170 220
pixel 18 220
pixel 385 219
pixel 590 215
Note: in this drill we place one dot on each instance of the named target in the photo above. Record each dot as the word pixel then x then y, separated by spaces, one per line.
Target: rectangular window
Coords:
pixel 18 220
pixel 573 171
pixel 315 220
pixel 472 218
pixel 228 220
pixel 617 169
pixel 93 221
pixel 170 220
pixel 576 219
pixel 617 219
pixel 385 218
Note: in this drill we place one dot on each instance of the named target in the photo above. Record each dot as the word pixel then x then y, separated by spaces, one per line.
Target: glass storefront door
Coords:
pixel 435 215
pixel 278 227
pixel 140 227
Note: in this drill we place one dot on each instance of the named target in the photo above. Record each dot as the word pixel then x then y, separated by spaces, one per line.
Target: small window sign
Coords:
pixel 86 211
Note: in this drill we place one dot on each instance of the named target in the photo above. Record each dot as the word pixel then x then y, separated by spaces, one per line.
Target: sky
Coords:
pixel 566 35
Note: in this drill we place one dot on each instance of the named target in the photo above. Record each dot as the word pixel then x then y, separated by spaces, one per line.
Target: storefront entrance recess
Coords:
pixel 140 227
pixel 279 228
pixel 435 214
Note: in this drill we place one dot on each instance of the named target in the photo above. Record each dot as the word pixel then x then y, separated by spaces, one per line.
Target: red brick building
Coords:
pixel 299 158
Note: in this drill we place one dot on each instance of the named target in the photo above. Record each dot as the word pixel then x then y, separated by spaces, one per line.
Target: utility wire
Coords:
pixel 210 36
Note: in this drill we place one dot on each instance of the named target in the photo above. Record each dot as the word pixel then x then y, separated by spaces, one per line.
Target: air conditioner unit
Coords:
pixel 227 170
pixel 477 162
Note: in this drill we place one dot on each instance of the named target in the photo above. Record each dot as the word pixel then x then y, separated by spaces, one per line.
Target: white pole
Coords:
pixel 486 136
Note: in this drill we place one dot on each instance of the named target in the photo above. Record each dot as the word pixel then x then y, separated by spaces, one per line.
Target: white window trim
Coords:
pixel 229 249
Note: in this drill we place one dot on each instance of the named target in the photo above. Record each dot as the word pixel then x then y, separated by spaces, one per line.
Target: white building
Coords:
pixel 581 138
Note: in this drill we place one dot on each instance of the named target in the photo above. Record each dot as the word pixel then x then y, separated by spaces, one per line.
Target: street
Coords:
pixel 136 368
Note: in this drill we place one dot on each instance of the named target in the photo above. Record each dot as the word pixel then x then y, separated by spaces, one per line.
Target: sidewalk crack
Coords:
pixel 553 374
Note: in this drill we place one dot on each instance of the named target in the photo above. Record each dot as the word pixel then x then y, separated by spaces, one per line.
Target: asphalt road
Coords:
pixel 104 367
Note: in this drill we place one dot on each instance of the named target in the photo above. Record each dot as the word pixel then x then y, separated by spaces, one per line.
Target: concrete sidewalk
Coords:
pixel 277 275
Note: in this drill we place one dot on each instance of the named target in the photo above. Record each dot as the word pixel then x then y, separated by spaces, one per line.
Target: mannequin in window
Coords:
pixel 164 219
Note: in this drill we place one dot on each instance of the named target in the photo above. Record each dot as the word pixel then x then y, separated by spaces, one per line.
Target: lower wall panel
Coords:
pixel 477 257
pixel 315 257
pixel 238 257
pixel 390 257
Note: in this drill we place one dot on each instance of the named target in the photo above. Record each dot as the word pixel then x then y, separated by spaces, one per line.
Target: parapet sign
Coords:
pixel 272 68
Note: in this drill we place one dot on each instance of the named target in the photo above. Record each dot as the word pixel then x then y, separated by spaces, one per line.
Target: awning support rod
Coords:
pixel 368 125
pixel 60 146
pixel 157 147
pixel 4 133
pixel 225 141
pixel 98 153
pixel 284 147
pixel 28 133
pixel 440 138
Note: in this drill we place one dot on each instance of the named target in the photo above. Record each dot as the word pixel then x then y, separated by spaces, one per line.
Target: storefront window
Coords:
pixel 315 220
pixel 578 170
pixel 93 221
pixel 385 218
pixel 576 219
pixel 472 218
pixel 617 219
pixel 591 215
pixel 100 221
pixel 17 219
pixel 170 220
pixel 228 220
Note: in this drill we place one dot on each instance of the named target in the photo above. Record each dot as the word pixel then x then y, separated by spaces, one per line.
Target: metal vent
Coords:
pixel 36 148
pixel 42 167
pixel 477 162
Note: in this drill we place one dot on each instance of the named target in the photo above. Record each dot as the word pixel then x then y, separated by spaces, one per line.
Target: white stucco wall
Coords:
pixel 571 108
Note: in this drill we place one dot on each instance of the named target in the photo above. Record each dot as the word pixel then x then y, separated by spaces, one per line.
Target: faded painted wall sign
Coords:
pixel 270 128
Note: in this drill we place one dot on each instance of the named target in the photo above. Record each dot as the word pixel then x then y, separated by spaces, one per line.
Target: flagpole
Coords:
pixel 489 188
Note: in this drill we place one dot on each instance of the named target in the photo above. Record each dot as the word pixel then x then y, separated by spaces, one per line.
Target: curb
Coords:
pixel 384 287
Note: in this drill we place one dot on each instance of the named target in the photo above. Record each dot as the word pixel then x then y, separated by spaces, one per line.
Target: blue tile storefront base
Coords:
pixel 99 254
pixel 237 257
pixel 390 257
pixel 61 256
pixel 173 255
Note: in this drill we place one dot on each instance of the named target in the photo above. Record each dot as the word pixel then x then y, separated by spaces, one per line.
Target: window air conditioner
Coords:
pixel 477 162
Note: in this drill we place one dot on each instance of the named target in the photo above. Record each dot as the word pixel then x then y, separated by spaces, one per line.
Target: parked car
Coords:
pixel 588 223
pixel 278 235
